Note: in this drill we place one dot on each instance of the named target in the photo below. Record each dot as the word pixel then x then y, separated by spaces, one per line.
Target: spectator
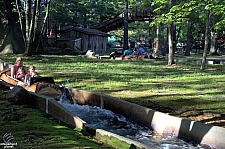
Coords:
pixel 127 51
pixel 140 50
pixel 135 52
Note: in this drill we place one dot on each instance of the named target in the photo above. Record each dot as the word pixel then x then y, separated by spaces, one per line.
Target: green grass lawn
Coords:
pixel 181 90
pixel 181 87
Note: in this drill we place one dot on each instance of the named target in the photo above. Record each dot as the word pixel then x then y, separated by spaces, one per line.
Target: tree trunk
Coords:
pixel 213 43
pixel 13 32
pixel 33 28
pixel 206 41
pixel 213 38
pixel 37 29
pixel 20 13
pixel 28 25
pixel 125 38
pixel 189 38
pixel 170 44
pixel 156 43
pixel 5 41
pixel 170 39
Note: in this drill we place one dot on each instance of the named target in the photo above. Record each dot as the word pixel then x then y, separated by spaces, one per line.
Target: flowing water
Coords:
pixel 112 122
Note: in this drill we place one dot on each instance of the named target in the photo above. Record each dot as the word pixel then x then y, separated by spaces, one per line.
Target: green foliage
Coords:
pixel 194 11
pixel 85 13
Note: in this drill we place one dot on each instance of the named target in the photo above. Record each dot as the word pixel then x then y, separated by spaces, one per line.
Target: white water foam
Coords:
pixel 112 122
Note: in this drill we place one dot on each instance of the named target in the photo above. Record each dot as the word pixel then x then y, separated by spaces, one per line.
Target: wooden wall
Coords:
pixel 96 43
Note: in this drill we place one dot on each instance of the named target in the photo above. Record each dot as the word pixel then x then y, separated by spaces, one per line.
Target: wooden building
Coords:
pixel 84 39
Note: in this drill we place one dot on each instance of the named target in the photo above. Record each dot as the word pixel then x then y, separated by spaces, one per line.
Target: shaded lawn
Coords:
pixel 181 90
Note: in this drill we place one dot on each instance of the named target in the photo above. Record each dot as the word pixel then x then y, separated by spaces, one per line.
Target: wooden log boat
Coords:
pixel 40 85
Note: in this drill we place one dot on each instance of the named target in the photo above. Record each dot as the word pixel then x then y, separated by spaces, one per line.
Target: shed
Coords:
pixel 91 39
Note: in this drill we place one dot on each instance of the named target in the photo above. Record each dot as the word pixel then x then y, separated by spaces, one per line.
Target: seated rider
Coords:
pixel 31 74
pixel 21 75
pixel 16 66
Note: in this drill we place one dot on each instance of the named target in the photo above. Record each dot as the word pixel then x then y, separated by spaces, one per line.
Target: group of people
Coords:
pixel 135 53
pixel 20 72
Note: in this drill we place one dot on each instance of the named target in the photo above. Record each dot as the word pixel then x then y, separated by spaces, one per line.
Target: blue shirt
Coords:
pixel 127 52
pixel 141 50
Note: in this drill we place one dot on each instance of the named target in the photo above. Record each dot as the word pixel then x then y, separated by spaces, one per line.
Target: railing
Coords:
pixel 145 14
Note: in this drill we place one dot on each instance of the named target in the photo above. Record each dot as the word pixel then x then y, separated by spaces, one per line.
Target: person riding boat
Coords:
pixel 31 74
pixel 21 75
pixel 16 66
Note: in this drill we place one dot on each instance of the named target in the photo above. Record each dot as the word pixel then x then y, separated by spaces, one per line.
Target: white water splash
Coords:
pixel 109 121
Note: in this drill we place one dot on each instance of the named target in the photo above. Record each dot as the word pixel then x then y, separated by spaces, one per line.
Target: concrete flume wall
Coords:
pixel 52 107
pixel 161 123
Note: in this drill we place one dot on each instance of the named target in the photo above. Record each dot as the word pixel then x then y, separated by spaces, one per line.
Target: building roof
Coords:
pixel 86 31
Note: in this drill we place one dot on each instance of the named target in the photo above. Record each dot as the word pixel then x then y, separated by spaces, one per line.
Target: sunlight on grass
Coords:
pixel 138 81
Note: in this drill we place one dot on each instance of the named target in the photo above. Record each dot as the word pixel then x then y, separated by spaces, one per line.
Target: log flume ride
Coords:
pixel 41 85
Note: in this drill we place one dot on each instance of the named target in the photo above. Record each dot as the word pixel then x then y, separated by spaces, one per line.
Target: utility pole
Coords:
pixel 125 37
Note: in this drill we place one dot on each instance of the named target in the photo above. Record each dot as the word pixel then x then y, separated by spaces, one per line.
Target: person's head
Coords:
pixel 31 68
pixel 19 61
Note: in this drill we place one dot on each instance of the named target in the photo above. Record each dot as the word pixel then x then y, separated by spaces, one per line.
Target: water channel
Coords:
pixel 112 122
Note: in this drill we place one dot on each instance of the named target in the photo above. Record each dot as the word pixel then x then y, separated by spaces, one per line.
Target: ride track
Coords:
pixel 144 14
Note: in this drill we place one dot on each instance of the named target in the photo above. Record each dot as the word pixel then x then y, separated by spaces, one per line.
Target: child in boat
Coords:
pixel 21 75
pixel 31 74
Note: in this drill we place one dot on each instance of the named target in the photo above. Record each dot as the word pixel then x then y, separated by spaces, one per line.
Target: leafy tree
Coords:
pixel 182 11
pixel 24 23
pixel 85 13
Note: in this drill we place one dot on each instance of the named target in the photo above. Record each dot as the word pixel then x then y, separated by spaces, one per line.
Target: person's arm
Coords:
pixel 35 74
pixel 26 80
pixel 13 71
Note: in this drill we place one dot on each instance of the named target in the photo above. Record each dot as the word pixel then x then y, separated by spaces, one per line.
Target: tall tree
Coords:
pixel 162 7
pixel 24 24
pixel 180 12
pixel 206 40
